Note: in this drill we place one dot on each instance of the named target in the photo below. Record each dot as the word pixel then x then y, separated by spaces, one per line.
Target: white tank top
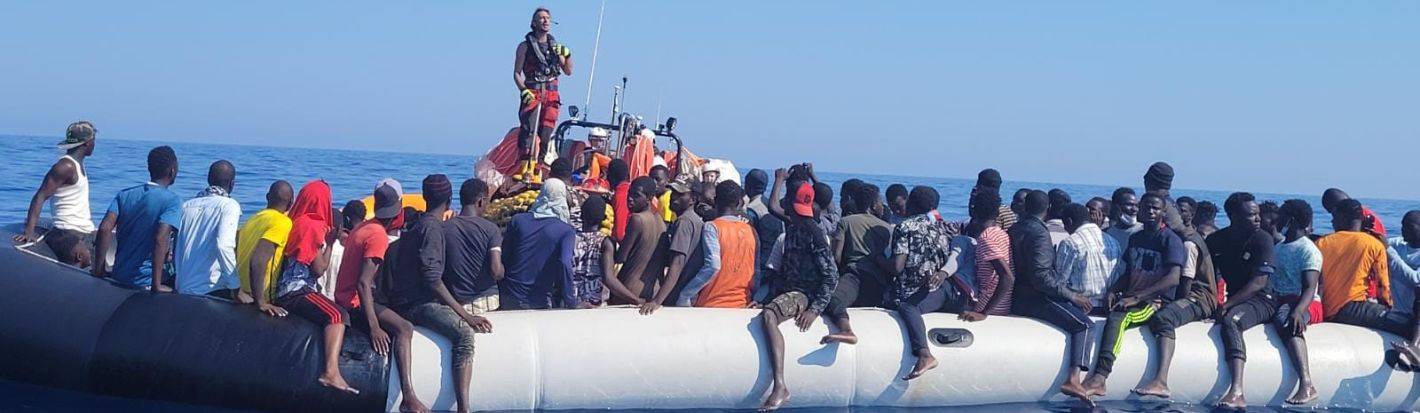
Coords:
pixel 70 203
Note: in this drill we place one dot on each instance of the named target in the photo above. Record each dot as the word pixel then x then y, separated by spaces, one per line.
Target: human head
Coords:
pixel 79 138
pixel 1267 213
pixel 865 198
pixel 662 176
pixel 846 202
pixel 1151 210
pixel 593 213
pixel 1074 216
pixel 222 174
pixel 823 196
pixel 1159 177
pixel 313 201
pixel 617 172
pixel 986 207
pixel 279 195
pixel 756 181
pixel 897 199
pixel 1123 203
pixel 642 190
pixel 729 198
pixel 1035 204
pixel 1018 201
pixel 1346 215
pixel 683 196
pixel 1206 213
pixel 1410 228
pixel 389 201
pixel 162 164
pixel 473 193
pixel 1098 209
pixel 596 138
pixel 561 169
pixel 354 213
pixel 922 200
pixel 710 176
pixel 1331 197
pixel 1242 210
pixel 1058 200
pixel 803 205
pixel 437 191
pixel 1295 216
pixel 541 20
pixel 987 179
pixel 1186 206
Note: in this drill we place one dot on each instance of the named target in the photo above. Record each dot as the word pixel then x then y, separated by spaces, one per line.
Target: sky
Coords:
pixel 1266 96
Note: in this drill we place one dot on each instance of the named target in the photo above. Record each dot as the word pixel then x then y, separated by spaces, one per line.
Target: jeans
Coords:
pixel 843 296
pixel 911 311
pixel 1254 311
pixel 1066 316
pixel 1175 314
pixel 1376 316
pixel 446 322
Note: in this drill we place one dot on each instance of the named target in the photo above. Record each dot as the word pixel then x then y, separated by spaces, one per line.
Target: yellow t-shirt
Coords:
pixel 270 225
pixel 665 206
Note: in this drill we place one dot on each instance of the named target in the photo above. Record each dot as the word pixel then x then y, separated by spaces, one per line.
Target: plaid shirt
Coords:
pixel 1089 261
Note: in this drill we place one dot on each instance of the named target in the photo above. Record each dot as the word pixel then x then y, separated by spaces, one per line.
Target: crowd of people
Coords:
pixel 778 243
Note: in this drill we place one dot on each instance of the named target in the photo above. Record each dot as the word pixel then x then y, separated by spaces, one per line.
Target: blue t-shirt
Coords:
pixel 140 209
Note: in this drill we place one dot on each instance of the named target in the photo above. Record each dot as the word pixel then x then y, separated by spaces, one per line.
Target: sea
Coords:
pixel 352 174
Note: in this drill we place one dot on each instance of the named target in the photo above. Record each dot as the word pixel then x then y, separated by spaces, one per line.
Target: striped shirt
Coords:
pixel 992 244
pixel 1089 261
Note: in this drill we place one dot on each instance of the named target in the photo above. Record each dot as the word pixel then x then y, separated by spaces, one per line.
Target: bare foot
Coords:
pixel 412 405
pixel 924 364
pixel 845 338
pixel 1305 394
pixel 1155 389
pixel 338 383
pixel 1233 401
pixel 1094 386
pixel 777 399
pixel 1075 390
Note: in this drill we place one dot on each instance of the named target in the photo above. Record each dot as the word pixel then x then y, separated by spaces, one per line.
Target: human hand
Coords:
pixel 271 310
pixel 562 51
pixel 379 340
pixel 781 174
pixel 753 305
pixel 479 324
pixel 805 320
pixel 1299 322
pixel 937 280
pixel 971 316
pixel 26 238
pixel 649 308
pixel 528 96
pixel 1128 301
pixel 1082 302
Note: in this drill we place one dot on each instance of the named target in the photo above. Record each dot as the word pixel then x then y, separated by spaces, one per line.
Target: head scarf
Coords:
pixel 311 220
pixel 552 202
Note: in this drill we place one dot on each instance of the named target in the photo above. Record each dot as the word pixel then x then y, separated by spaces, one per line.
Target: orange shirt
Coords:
pixel 730 287
pixel 1349 258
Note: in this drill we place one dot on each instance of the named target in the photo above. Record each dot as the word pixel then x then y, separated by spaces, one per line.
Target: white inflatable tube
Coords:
pixel 679 358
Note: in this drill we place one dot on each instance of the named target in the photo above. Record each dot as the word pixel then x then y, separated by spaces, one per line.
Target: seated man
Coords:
pixel 1152 263
pixel 1349 258
pixel 1245 256
pixel 802 287
pixel 919 251
pixel 1041 293
pixel 145 217
pixel 1404 256
pixel 727 278
pixel 1297 287
pixel 206 254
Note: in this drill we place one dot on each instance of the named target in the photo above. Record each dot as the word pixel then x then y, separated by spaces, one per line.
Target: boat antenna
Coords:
pixel 596 47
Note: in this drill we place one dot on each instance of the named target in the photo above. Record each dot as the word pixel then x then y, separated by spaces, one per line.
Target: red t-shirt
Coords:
pixel 367 240
pixel 1371 224
pixel 620 210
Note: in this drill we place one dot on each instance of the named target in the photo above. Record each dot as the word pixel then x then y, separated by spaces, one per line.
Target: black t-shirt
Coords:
pixel 468 246
pixel 418 259
pixel 1239 255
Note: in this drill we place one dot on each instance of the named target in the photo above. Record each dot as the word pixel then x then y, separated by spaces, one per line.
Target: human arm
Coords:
pixel 1169 280
pixel 684 242
pixel 631 266
pixel 495 262
pixel 369 266
pixel 566 250
pixel 518 77
pixel 1380 269
pixel 564 54
pixel 775 207
pixel 105 242
pixel 1400 268
pixel 711 239
pixel 1252 288
pixel 1042 260
pixel 261 254
pixel 1310 280
pixel 162 243
pixel 62 173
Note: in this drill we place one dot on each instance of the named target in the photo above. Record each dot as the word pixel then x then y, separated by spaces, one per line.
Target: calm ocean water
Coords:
pixel 118 164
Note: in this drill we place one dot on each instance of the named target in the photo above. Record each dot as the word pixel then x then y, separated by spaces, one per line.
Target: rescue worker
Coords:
pixel 538 63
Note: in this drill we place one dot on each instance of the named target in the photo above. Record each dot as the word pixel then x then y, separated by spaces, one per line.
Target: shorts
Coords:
pixel 1283 318
pixel 313 306
pixel 68 245
pixel 789 305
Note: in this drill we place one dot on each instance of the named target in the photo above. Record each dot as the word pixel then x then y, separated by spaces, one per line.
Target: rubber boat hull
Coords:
pixel 63 328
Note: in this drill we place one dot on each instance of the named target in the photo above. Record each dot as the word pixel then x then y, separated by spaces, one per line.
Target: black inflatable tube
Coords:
pixel 60 327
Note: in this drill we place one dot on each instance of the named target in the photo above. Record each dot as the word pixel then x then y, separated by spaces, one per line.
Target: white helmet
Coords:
pixel 598 133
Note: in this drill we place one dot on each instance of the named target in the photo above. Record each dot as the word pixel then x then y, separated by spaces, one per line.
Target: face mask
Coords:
pixel 1127 220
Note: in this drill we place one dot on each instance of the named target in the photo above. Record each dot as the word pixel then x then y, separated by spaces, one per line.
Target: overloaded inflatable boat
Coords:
pixel 62 328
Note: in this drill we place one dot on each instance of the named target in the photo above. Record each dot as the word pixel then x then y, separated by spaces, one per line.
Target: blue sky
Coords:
pixel 1263 96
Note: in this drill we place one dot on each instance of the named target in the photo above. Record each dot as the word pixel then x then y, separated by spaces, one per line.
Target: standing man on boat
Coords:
pixel 540 59
pixel 67 185
pixel 144 219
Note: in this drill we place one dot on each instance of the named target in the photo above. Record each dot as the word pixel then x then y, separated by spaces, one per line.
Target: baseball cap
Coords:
pixel 389 199
pixel 681 185
pixel 79 133
pixel 804 200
